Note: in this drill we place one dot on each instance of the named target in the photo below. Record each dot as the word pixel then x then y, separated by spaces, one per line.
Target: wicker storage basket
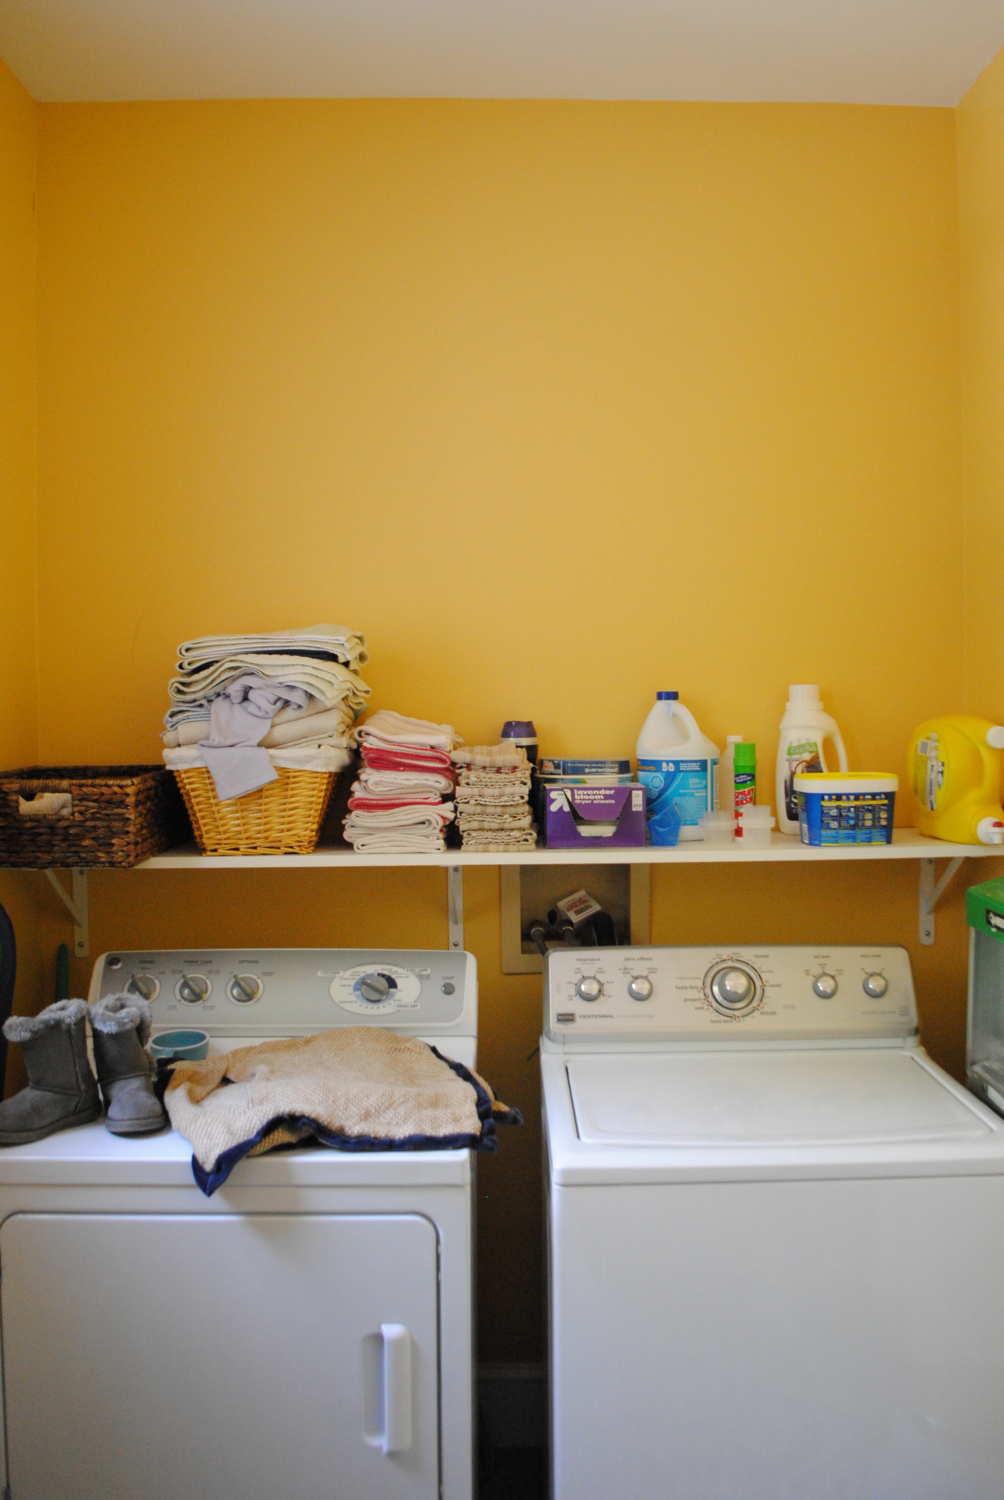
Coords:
pixel 283 817
pixel 88 816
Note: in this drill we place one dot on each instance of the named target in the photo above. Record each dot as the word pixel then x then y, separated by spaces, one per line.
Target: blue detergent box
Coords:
pixel 845 807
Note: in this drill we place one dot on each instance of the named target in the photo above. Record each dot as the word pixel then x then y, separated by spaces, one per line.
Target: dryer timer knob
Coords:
pixel 374 988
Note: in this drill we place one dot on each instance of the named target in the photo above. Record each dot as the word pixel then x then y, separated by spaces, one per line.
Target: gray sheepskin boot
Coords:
pixel 61 1090
pixel 120 1029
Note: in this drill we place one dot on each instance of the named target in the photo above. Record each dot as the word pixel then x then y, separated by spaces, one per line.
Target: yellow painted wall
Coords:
pixel 981 237
pixel 29 905
pixel 561 403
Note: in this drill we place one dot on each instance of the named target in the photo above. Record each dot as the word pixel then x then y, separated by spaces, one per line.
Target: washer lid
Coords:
pixel 769 1099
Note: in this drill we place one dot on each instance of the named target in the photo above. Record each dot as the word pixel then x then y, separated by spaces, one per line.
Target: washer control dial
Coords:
pixel 589 988
pixel 875 985
pixel 193 989
pixel 732 988
pixel 244 989
pixel 640 987
pixel 145 985
pixel 368 991
pixel 825 986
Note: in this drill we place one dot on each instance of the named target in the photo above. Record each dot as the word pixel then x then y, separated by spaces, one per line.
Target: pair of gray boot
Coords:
pixel 62 1090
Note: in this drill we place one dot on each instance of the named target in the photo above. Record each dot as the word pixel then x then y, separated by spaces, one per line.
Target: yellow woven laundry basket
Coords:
pixel 283 817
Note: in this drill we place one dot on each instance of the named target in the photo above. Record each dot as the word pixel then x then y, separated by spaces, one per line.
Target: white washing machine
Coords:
pixel 306 1332
pixel 776 1233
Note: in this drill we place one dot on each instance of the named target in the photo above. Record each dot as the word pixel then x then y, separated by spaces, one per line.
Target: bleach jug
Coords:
pixel 804 728
pixel 677 765
pixel 955 771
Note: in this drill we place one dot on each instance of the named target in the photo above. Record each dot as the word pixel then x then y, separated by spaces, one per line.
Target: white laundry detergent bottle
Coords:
pixel 677 765
pixel 804 728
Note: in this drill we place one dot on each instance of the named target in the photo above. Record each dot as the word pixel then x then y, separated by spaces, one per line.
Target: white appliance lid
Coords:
pixel 769 1099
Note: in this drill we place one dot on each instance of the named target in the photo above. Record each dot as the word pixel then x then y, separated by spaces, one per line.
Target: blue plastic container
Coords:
pixel 845 807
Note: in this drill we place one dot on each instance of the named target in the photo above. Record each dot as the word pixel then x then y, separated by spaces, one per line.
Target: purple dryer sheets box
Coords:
pixel 598 817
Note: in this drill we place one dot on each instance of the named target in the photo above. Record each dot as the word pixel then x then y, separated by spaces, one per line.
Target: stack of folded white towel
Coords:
pixel 400 802
pixel 243 705
pixel 492 796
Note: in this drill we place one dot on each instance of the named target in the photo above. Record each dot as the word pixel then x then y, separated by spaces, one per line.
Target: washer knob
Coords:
pixel 640 987
pixel 243 989
pixel 375 988
pixel 145 985
pixel 589 988
pixel 193 989
pixel 875 985
pixel 733 988
pixel 825 986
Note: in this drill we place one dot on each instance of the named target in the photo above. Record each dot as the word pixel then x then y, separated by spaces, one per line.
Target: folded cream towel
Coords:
pixel 294 757
pixel 394 841
pixel 486 818
pixel 499 841
pixel 401 783
pixel 415 816
pixel 392 728
pixel 505 754
pixel 339 641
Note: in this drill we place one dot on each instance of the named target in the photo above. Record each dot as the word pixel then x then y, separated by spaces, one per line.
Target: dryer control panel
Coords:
pixel 648 995
pixel 252 992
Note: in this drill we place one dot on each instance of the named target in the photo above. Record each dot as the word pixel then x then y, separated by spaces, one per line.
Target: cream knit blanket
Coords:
pixel 358 1088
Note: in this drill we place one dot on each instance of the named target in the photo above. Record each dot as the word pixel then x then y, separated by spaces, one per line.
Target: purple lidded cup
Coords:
pixel 522 732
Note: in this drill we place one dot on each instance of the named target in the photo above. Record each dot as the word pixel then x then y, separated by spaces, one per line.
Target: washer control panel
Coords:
pixel 784 993
pixel 296 991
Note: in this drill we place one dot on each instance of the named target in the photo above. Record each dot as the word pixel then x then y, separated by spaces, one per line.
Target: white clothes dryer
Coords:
pixel 305 1332
pixel 775 1233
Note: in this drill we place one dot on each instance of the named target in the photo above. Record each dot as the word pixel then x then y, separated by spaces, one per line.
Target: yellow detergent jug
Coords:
pixel 955 769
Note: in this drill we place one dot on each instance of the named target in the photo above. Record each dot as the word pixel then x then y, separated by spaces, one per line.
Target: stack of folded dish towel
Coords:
pixel 493 793
pixel 243 705
pixel 400 802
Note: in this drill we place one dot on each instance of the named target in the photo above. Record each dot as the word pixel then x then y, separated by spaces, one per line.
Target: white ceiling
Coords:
pixel 850 51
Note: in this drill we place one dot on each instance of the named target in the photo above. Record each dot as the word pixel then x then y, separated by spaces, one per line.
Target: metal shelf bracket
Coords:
pixel 931 892
pixel 455 904
pixel 76 905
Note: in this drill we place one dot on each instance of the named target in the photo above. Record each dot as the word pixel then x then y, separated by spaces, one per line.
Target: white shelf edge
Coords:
pixel 907 844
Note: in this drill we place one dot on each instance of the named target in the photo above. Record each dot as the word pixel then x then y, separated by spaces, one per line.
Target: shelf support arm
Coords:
pixel 76 905
pixel 455 906
pixel 931 892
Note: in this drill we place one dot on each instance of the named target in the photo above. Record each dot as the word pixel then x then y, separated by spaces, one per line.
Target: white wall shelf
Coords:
pixel 907 843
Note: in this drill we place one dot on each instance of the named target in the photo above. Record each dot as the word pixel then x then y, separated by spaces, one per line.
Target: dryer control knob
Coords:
pixel 640 987
pixel 145 985
pixel 375 988
pixel 825 986
pixel 192 989
pixel 875 985
pixel 589 988
pixel 244 989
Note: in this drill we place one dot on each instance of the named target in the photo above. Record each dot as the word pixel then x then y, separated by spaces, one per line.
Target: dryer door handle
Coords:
pixel 387 1397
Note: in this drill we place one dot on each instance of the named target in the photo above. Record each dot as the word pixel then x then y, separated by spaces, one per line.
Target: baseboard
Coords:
pixel 513 1404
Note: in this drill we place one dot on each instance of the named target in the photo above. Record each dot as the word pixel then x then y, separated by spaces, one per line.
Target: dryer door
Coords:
pixel 171 1357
